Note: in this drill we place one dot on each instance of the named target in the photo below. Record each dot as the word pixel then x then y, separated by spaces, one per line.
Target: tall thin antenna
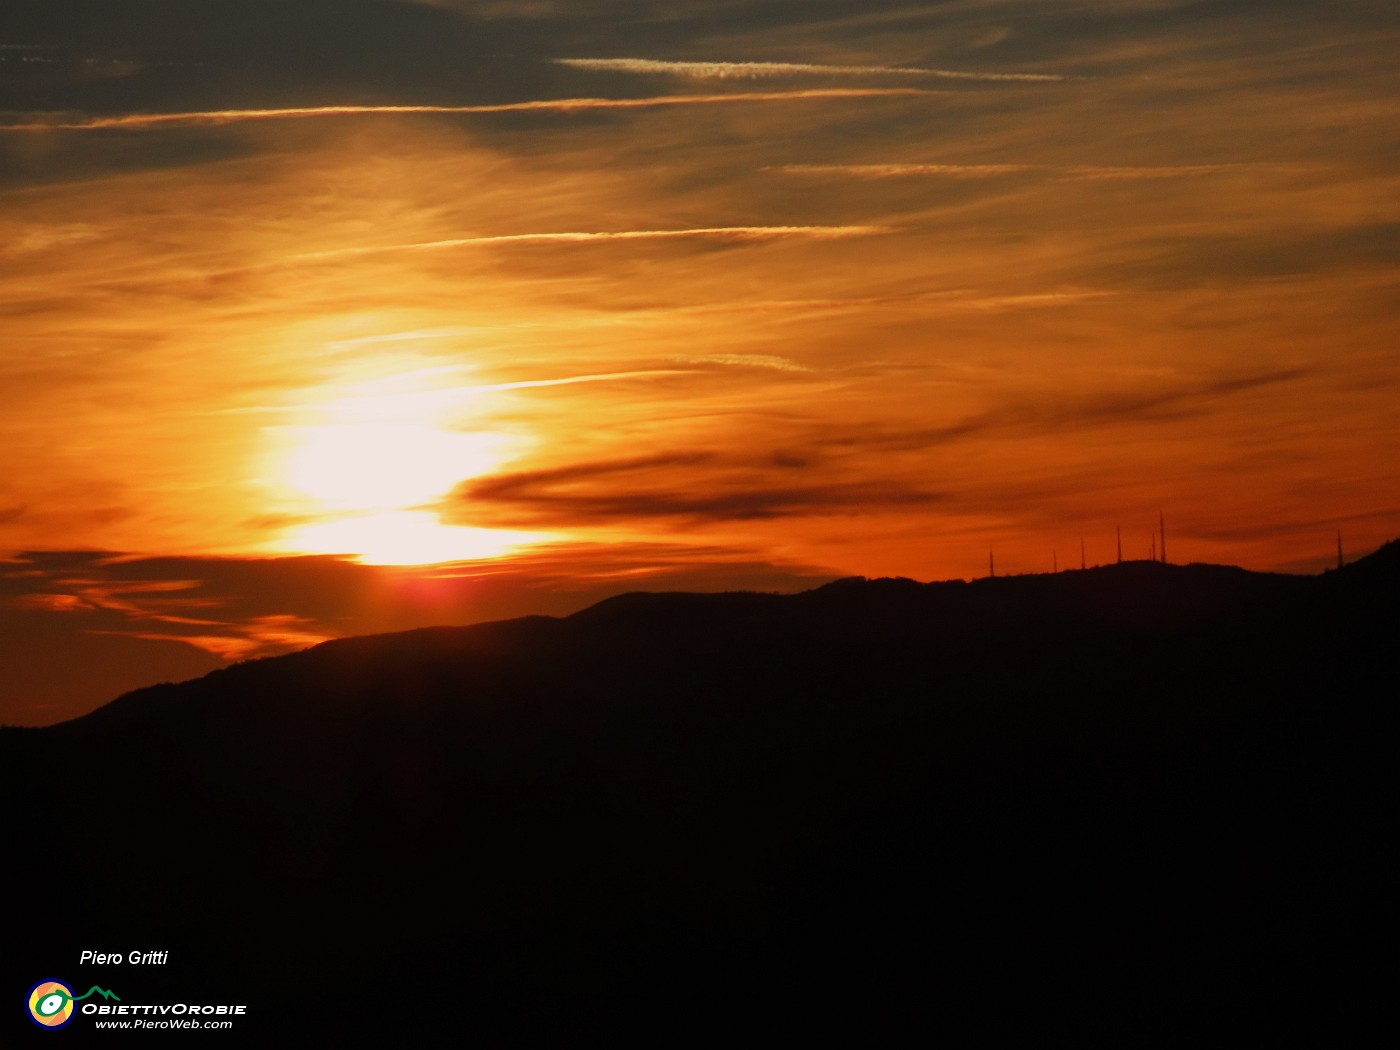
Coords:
pixel 1340 561
pixel 991 562
pixel 1081 553
pixel 1120 544
pixel 1162 524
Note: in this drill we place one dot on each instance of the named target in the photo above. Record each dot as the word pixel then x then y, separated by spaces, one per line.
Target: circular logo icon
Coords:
pixel 51 1004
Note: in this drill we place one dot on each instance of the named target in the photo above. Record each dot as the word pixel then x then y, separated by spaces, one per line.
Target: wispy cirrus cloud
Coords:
pixel 737 234
pixel 1091 172
pixel 1175 400
pixel 719 233
pixel 139 602
pixel 138 121
pixel 768 361
pixel 757 70
pixel 91 594
pixel 259 636
pixel 890 171
pixel 938 301
pixel 1094 172
pixel 601 377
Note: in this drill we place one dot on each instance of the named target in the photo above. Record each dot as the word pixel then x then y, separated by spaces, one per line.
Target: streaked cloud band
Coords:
pixel 722 233
pixel 553 105
pixel 972 171
pixel 754 70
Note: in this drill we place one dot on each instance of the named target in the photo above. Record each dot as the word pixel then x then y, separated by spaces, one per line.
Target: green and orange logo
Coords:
pixel 51 1002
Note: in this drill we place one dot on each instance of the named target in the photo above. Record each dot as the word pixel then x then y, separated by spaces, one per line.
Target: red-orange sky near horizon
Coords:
pixel 560 300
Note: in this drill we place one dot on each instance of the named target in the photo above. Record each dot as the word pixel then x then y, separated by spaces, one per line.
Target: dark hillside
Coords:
pixel 1140 805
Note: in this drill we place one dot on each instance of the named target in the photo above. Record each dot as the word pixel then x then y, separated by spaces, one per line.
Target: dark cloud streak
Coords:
pixel 727 489
pixel 1057 413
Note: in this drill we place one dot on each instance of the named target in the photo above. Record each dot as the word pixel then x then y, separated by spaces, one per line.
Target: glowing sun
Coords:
pixel 384 466
pixel 366 476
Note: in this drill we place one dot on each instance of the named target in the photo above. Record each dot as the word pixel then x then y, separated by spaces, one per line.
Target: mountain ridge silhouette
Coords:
pixel 1141 799
pixel 1383 562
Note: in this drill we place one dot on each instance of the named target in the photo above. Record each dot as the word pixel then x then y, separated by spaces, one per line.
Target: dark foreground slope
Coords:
pixel 1140 804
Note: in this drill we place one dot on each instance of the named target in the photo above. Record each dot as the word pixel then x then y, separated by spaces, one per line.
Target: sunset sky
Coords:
pixel 339 316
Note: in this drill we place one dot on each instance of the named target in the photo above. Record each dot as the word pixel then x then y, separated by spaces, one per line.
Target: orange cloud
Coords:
pixel 750 70
pixel 554 105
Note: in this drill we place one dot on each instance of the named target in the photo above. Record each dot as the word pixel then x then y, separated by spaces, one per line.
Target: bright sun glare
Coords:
pixel 376 459
pixel 384 466
pixel 405 538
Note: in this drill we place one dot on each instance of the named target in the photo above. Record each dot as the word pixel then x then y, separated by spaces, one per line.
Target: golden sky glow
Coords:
pixel 520 288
